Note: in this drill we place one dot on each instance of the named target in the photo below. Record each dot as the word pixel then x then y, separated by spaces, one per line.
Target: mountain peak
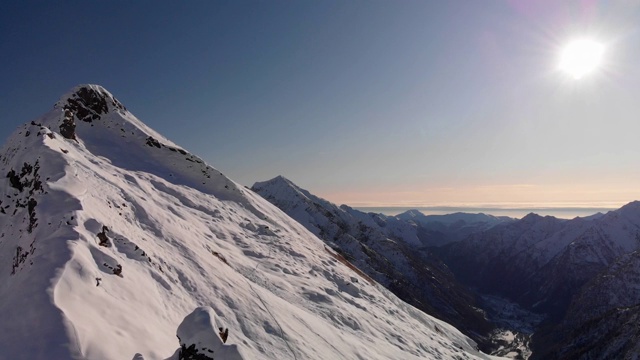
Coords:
pixel 281 180
pixel 531 217
pixel 87 102
pixel 413 213
pixel 632 206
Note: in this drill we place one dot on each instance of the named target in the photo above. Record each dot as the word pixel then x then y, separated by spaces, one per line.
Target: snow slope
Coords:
pixel 112 235
pixel 385 249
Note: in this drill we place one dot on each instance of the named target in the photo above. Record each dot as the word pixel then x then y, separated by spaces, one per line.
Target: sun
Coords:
pixel 581 57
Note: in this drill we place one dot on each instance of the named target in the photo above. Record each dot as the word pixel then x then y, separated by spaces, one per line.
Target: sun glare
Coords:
pixel 581 57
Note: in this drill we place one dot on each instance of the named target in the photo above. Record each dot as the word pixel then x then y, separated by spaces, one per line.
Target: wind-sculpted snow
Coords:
pixel 201 338
pixel 388 250
pixel 128 233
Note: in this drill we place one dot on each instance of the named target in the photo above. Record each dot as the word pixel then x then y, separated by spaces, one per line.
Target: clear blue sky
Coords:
pixel 362 102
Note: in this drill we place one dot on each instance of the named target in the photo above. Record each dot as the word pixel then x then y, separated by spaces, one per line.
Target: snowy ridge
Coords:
pixel 388 250
pixel 112 235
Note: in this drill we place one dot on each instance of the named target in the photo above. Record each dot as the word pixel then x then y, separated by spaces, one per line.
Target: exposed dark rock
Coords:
pixel 153 142
pixel 88 104
pixel 200 338
pixel 21 257
pixel 191 353
pixel 14 180
pixel 31 206
pixel 68 126
pixel 224 334
pixel 103 239
pixel 18 259
pixel 220 256
pixel 118 270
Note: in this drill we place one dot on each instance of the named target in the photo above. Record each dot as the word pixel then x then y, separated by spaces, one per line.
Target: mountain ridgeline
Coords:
pixel 116 243
pixel 580 276
pixel 384 248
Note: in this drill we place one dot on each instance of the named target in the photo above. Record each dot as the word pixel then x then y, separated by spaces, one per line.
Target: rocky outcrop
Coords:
pixel 68 126
pixel 88 102
pixel 201 338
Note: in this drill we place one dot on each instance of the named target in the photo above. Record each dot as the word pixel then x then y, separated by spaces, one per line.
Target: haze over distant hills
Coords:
pixel 566 212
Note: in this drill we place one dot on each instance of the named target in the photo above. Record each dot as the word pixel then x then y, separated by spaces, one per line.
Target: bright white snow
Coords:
pixel 180 236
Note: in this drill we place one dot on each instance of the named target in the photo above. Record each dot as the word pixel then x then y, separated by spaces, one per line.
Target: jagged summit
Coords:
pixel 88 102
pixel 93 118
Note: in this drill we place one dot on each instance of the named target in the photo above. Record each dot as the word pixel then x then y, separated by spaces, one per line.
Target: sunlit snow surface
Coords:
pixel 184 236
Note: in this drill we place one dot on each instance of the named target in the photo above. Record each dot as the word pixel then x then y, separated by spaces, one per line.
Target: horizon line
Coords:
pixel 500 206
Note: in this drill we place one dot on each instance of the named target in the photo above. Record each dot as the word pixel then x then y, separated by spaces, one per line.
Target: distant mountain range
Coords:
pixel 581 274
pixel 384 247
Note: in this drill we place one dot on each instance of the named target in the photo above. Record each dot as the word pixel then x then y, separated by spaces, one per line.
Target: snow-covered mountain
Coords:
pixel 582 273
pixel 113 240
pixel 602 318
pixel 439 230
pixel 386 249
pixel 553 256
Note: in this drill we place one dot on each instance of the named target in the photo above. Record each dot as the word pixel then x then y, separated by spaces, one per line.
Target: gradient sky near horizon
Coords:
pixel 377 103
